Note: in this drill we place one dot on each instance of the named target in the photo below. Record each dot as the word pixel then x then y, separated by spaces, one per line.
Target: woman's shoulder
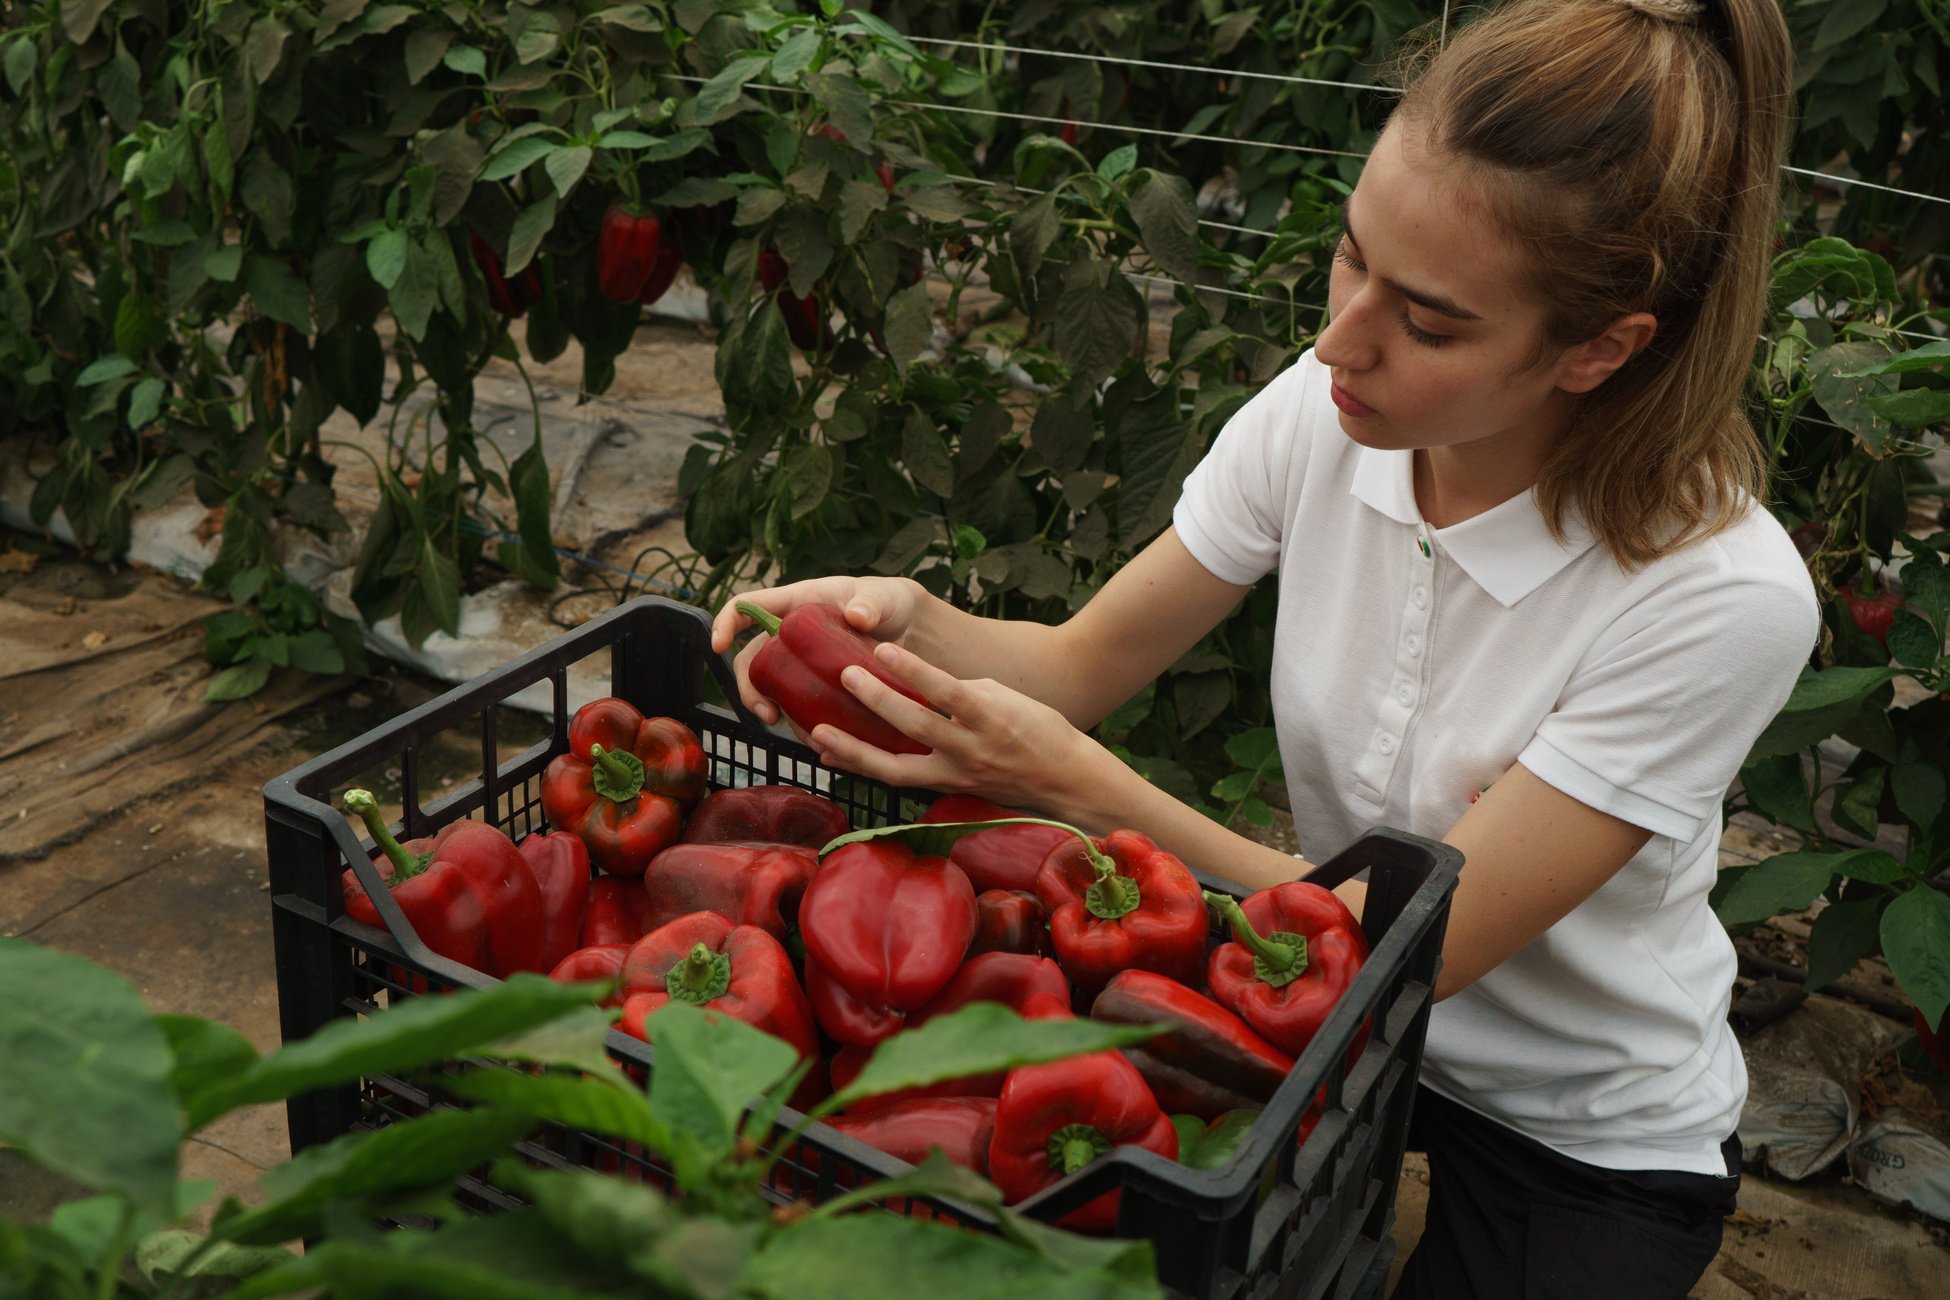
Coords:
pixel 1748 570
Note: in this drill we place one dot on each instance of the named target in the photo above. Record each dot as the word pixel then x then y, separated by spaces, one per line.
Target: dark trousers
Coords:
pixel 1511 1219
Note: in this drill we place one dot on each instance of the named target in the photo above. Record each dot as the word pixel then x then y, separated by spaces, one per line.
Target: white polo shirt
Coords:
pixel 1414 665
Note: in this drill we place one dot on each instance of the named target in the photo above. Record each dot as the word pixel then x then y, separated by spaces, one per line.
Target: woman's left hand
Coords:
pixel 995 742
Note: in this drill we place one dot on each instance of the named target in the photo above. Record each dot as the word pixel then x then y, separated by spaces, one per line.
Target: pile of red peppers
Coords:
pixel 761 903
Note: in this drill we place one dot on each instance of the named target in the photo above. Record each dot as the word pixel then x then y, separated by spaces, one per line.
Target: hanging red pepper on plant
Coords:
pixel 800 667
pixel 663 270
pixel 1298 948
pixel 776 814
pixel 1122 903
pixel 624 784
pixel 560 862
pixel 749 884
pixel 1007 857
pixel 626 250
pixel 1209 1063
pixel 806 322
pixel 1059 1117
pixel 465 890
pixel 511 298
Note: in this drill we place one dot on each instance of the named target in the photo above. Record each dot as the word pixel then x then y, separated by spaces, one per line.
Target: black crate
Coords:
pixel 1307 1220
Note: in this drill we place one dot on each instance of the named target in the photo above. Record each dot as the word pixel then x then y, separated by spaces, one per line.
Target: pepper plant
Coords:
pixel 103 1093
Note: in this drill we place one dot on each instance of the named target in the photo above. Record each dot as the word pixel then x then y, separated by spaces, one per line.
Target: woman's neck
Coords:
pixel 1460 481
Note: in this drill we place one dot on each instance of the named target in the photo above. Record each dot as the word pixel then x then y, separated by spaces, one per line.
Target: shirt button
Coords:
pixel 1385 743
pixel 1414 644
pixel 1405 695
pixel 1421 597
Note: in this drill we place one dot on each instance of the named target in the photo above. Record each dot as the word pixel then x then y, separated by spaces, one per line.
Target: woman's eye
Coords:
pixel 1421 335
pixel 1347 258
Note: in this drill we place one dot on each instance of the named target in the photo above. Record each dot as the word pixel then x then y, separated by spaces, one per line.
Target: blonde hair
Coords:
pixel 1632 149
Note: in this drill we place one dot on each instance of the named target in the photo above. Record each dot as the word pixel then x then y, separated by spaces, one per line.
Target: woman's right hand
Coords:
pixel 883 608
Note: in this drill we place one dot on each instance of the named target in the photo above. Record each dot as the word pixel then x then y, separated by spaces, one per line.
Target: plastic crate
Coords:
pixel 1293 1220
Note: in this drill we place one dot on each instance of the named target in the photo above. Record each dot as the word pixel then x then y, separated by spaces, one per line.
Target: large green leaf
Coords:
pixel 708 1069
pixel 594 1104
pixel 1843 934
pixel 85 1075
pixel 1843 387
pixel 1789 882
pixel 1916 940
pixel 1778 789
pixel 421 1032
pixel 981 1038
pixel 1098 315
pixel 1167 218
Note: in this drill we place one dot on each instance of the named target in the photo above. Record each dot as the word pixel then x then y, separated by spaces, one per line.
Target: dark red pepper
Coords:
pixel 663 270
pixel 1210 1063
pixel 806 321
pixel 617 908
pixel 598 962
pixel 748 884
pixel 513 297
pixel 1872 612
pixel 737 970
pixel 961 1128
pixel 624 784
pixel 776 814
pixel 1007 857
pixel 626 249
pixel 800 667
pixel 888 926
pixel 1010 920
pixel 1056 1118
pixel 560 862
pixel 848 1020
pixel 1298 949
pixel 465 890
pixel 1122 903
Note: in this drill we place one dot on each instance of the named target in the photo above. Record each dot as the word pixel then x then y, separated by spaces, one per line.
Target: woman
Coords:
pixel 1528 604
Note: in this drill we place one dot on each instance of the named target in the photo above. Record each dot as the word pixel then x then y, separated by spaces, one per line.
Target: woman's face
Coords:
pixel 1432 338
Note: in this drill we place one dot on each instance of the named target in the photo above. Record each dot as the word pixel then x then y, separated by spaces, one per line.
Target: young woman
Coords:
pixel 1528 604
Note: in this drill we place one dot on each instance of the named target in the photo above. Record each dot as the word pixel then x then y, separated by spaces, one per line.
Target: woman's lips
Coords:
pixel 1349 403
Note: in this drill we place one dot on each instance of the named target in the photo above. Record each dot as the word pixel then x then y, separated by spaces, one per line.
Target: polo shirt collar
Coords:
pixel 1508 551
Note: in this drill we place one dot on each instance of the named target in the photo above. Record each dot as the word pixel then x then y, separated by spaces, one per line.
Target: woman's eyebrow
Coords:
pixel 1435 302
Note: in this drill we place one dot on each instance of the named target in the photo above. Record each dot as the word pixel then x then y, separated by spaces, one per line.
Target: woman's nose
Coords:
pixel 1346 342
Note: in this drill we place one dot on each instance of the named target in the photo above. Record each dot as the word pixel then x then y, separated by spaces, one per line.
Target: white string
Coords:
pixel 1867 185
pixel 1119 126
pixel 1153 63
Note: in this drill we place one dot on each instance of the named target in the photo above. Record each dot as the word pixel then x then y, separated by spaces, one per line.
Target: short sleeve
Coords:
pixel 1232 514
pixel 1653 726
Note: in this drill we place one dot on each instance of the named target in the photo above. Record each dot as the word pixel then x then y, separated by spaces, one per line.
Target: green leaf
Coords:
pixel 1118 162
pixel 422 1031
pixel 847 106
pixel 598 1103
pixel 601 1216
pixel 1823 688
pixel 981 1038
pixel 708 1069
pixel 425 49
pixel 1787 882
pixel 1031 233
pixel 316 652
pixel 1843 934
pixel 529 483
pixel 910 324
pixel 265 47
pixel 1255 748
pixel 1913 408
pixel 1098 316
pixel 1210 1146
pixel 1916 942
pixel 204 1051
pixel 238 682
pixel 1845 393
pixel 466 60
pixel 386 256
pixel 1857 805
pixel 78 18
pixel 1931 356
pixel 859 200
pixel 1914 642
pixel 925 454
pixel 1926 586
pixel 23 56
pixel 1919 789
pixel 516 157
pixel 1167 218
pixel 267 193
pixel 758 204
pixel 223 264
pixel 278 292
pixel 84 1075
pixel 1778 790
pixel 162 1257
pixel 796 54
pixel 565 166
pixel 1846 19
pixel 716 97
pixel 531 226
pixel 102 369
pixel 936 1175
pixel 807 473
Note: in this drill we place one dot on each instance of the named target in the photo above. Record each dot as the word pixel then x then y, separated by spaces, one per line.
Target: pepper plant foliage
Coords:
pixel 226 221
pixel 100 1091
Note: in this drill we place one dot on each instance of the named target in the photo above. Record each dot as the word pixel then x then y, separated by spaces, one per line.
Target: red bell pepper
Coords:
pixel 1007 857
pixel 748 884
pixel 597 962
pixel 800 669
pixel 1298 949
pixel 560 862
pixel 1873 612
pixel 738 970
pixel 777 814
pixel 806 322
pixel 960 1127
pixel 465 890
pixel 511 298
pixel 1122 903
pixel 887 925
pixel 1056 1118
pixel 1210 1063
pixel 624 784
pixel 848 1020
pixel 617 908
pixel 663 268
pixel 1010 920
pixel 626 249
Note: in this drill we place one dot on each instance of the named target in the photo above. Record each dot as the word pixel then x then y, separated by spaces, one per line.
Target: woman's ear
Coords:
pixel 1589 364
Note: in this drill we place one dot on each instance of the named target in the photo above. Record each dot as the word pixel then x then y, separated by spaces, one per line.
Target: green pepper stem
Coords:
pixel 700 977
pixel 1279 959
pixel 617 774
pixel 767 621
pixel 1112 895
pixel 405 865
pixel 1075 1145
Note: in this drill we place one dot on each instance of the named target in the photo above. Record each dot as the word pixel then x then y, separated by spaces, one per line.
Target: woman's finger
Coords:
pixel 904 714
pixel 763 706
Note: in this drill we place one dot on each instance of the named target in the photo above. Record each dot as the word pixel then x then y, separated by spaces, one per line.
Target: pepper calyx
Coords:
pixel 405 865
pixel 702 976
pixel 1112 895
pixel 617 774
pixel 1278 959
pixel 1074 1146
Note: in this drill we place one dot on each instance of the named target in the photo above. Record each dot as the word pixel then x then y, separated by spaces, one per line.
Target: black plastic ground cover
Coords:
pixel 1305 1220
